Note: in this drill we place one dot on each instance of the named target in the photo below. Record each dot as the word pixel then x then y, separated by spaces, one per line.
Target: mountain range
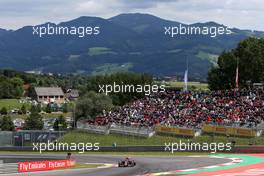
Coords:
pixel 127 42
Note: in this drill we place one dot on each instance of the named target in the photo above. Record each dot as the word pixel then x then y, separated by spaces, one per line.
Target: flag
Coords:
pixel 237 77
pixel 186 81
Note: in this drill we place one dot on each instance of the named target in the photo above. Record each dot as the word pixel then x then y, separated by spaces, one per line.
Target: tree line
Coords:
pixel 248 58
pixel 11 83
pixel 90 103
pixel 10 87
pixel 33 122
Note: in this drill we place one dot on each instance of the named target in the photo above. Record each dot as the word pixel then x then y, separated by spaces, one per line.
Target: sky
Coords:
pixel 244 14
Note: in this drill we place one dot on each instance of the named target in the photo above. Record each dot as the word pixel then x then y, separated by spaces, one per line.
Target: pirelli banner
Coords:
pixel 243 132
pixel 175 131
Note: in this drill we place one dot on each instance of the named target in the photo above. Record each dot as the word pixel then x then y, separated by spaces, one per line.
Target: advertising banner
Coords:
pixel 44 165
pixel 175 131
pixel 244 132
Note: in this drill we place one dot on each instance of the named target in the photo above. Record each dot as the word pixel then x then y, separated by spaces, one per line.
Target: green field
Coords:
pixel 82 166
pixel 112 68
pixel 12 104
pixel 192 85
pixel 122 140
pixel 100 51
pixel 208 56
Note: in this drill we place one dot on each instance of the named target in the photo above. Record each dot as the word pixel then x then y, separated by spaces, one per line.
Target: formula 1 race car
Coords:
pixel 127 162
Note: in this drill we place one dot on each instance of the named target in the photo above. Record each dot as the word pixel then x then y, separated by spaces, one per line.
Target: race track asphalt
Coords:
pixel 145 165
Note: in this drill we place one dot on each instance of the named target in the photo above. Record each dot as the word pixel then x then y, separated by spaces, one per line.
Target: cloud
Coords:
pixel 143 4
pixel 238 13
pixel 234 13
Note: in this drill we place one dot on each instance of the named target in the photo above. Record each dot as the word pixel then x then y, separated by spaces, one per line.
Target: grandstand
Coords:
pixel 236 111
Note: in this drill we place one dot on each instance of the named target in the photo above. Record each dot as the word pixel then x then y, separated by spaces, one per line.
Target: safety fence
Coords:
pixel 171 130
pixel 24 137
pixel 6 138
pixel 93 128
pixel 132 131
pixel 117 129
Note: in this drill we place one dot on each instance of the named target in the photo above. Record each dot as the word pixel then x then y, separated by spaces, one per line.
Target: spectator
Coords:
pixel 191 110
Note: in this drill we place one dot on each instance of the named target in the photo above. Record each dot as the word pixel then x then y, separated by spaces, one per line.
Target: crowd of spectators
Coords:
pixel 241 108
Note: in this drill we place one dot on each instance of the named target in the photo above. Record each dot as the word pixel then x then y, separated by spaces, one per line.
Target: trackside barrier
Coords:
pixel 176 131
pixel 232 131
pixel 93 128
pixel 132 131
pixel 22 137
pixel 117 129
pixel 44 165
pixel 6 138
pixel 8 168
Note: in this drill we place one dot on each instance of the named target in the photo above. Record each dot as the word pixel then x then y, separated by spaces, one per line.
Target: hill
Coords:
pixel 127 42
pixel 4 32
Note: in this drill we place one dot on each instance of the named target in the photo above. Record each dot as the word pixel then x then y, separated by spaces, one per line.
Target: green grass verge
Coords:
pixel 193 85
pixel 99 51
pixel 122 140
pixel 208 56
pixel 112 68
pixel 82 166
